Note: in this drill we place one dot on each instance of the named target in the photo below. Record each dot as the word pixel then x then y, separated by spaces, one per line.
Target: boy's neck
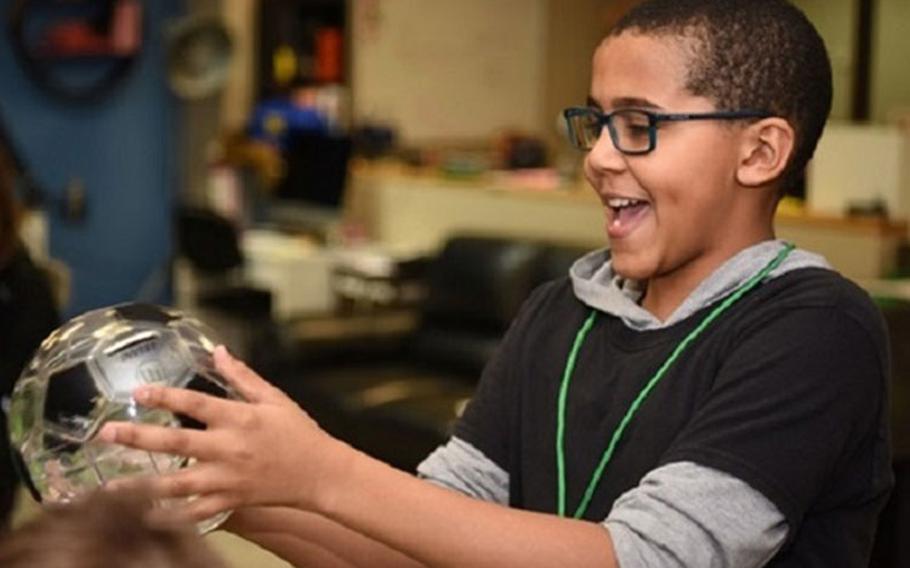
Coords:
pixel 665 293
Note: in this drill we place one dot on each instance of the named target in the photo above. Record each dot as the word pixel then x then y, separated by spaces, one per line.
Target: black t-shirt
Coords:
pixel 787 391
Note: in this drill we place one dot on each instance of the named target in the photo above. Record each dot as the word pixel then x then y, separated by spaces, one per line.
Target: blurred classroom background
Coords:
pixel 357 194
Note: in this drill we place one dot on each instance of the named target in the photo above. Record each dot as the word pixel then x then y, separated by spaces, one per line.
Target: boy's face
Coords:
pixel 687 183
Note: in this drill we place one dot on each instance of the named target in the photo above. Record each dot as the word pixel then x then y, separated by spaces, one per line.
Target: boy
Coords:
pixel 700 395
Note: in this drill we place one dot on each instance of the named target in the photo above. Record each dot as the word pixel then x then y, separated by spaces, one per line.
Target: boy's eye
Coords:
pixel 631 119
pixel 634 126
pixel 632 130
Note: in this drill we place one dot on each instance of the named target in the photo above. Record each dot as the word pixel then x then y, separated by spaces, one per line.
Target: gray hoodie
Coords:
pixel 597 286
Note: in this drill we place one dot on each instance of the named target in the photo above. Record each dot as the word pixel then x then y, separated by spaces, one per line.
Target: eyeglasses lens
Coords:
pixel 632 131
pixel 584 129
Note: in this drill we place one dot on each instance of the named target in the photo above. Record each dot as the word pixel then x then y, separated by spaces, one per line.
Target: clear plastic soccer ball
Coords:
pixel 83 375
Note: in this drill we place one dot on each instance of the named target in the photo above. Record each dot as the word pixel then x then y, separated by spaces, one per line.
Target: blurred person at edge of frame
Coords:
pixel 101 530
pixel 28 313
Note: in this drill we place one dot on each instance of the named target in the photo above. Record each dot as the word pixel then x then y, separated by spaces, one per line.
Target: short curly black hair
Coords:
pixel 750 54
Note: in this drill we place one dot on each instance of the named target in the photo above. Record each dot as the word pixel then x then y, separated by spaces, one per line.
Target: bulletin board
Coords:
pixel 441 70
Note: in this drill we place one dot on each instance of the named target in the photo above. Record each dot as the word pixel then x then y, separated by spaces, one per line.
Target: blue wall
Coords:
pixel 122 149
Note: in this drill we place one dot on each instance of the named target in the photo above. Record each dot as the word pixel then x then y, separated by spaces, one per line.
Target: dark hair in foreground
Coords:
pixel 749 54
pixel 101 531
pixel 9 210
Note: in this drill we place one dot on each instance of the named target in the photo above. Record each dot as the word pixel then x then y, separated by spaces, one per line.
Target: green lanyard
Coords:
pixel 633 408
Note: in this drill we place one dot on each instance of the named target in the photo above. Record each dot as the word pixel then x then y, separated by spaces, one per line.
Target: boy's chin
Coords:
pixel 632 267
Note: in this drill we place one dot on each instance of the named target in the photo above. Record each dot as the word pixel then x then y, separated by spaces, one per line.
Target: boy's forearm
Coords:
pixel 442 528
pixel 308 539
pixel 297 552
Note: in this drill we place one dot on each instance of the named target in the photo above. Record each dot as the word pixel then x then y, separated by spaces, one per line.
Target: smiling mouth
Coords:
pixel 625 216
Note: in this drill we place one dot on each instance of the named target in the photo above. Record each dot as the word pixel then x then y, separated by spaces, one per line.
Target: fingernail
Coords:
pixel 224 353
pixel 141 394
pixel 108 433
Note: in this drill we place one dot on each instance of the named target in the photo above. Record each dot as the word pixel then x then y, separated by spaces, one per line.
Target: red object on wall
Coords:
pixel 329 57
pixel 72 38
pixel 126 27
pixel 79 38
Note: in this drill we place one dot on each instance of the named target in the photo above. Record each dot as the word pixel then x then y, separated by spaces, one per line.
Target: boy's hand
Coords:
pixel 265 451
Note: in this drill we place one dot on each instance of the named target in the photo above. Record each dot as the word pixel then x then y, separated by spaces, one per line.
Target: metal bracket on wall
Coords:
pixel 74 205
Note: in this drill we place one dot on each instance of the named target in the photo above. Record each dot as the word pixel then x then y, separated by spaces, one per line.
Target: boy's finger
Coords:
pixel 136 484
pixel 178 441
pixel 173 489
pixel 203 407
pixel 201 478
pixel 207 506
pixel 250 385
pixel 195 510
pixel 171 513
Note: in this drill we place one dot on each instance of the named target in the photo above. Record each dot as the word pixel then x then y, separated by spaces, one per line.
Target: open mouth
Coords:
pixel 626 215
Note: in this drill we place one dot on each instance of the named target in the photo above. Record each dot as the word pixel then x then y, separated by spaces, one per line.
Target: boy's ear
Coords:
pixel 765 152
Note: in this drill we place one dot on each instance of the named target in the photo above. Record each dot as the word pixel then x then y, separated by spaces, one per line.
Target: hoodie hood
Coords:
pixel 596 284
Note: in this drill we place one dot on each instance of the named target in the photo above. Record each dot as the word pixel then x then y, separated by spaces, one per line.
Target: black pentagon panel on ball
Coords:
pixel 71 399
pixel 144 312
pixel 202 384
pixel 62 448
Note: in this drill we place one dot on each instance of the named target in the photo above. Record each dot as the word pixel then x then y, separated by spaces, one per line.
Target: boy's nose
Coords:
pixel 604 156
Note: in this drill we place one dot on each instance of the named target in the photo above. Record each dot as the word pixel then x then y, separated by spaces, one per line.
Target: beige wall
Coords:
pixel 835 22
pixel 890 88
pixel 237 101
pixel 574 28
pixel 891 68
pixel 449 70
pixel 506 63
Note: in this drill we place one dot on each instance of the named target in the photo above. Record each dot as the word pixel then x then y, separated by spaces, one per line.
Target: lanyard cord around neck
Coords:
pixel 633 408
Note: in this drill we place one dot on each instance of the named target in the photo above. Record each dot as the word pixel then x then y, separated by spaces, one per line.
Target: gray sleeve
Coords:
pixel 688 515
pixel 461 467
pixel 680 515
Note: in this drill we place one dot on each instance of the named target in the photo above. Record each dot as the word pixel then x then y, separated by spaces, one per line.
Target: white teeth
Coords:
pixel 618 203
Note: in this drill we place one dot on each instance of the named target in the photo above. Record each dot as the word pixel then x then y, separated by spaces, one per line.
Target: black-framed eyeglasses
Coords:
pixel 634 131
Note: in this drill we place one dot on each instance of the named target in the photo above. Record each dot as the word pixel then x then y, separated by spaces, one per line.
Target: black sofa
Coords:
pixel 397 401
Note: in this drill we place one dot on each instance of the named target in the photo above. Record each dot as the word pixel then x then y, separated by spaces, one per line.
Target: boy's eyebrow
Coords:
pixel 634 102
pixel 625 102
